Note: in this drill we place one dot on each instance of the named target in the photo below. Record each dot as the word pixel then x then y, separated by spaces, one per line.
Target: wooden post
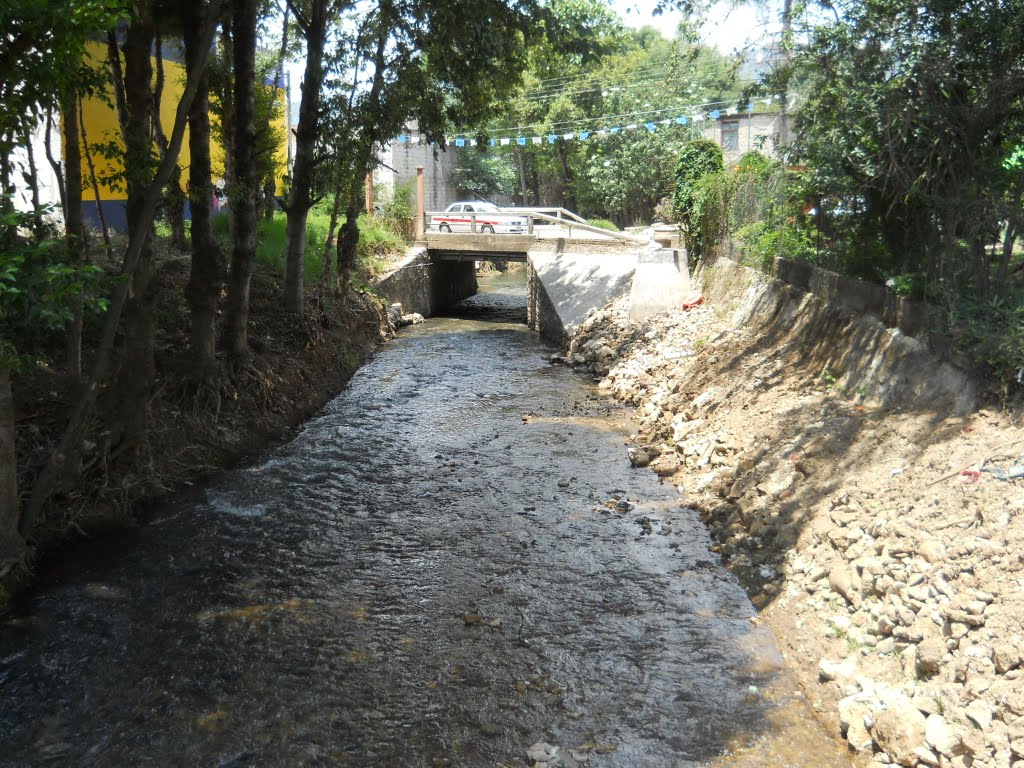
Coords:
pixel 420 211
pixel 369 193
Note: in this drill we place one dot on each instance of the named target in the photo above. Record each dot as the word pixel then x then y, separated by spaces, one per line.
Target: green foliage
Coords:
pixel 699 203
pixel 44 43
pixel 39 289
pixel 399 205
pixel 395 211
pixel 991 336
pixel 761 242
pixel 483 174
pixel 603 224
pixel 620 175
pixel 903 126
pixel 377 242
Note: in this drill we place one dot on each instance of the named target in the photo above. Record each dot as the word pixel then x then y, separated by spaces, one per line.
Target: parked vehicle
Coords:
pixel 490 219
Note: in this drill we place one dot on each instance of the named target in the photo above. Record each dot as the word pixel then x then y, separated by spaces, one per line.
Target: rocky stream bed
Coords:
pixel 882 542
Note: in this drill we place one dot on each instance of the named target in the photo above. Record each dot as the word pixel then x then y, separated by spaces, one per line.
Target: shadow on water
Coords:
pixel 451 562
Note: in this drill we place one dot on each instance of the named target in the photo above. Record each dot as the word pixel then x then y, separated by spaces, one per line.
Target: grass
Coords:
pixel 377 243
pixel 603 224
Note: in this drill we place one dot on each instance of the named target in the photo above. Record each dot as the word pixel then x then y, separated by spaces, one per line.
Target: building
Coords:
pixel 746 132
pixel 398 163
pixel 102 130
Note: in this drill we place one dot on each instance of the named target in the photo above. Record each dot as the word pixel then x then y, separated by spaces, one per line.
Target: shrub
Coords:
pixel 693 201
pixel 990 336
pixel 603 224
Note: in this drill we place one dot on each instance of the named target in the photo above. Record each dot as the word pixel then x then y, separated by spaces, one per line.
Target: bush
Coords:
pixel 603 224
pixel 693 201
pixel 664 211
pixel 991 336
pixel 761 242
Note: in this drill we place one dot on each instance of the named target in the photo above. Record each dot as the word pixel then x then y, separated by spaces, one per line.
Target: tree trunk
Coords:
pixel 174 202
pixel 325 273
pixel 207 267
pixel 55 164
pixel 94 182
pixel 787 60
pixel 11 543
pixel 568 199
pixel 348 241
pixel 1010 233
pixel 74 230
pixel 299 200
pixel 33 173
pixel 243 187
pixel 138 369
pixel 226 97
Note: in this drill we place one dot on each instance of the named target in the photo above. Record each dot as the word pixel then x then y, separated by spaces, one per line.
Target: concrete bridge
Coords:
pixel 567 276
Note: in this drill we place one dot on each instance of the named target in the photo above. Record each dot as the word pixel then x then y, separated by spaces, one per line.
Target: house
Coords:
pixel 746 132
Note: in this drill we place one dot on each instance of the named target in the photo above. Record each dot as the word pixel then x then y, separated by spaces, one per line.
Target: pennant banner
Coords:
pixel 650 125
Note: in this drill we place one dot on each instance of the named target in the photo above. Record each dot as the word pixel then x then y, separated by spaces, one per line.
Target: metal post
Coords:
pixel 421 215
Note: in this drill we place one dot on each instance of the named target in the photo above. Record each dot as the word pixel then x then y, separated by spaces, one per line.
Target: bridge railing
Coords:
pixel 560 216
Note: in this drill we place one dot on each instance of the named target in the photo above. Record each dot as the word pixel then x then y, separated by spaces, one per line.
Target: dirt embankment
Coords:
pixel 876 520
pixel 193 428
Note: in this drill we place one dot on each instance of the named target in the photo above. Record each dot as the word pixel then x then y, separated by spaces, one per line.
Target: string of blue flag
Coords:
pixel 695 118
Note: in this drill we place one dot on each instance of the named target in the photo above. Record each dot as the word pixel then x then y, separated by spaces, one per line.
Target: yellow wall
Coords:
pixel 101 126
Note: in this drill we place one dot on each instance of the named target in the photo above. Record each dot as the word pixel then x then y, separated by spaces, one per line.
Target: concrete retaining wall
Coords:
pixel 569 278
pixel 839 332
pixel 427 287
pixel 870 299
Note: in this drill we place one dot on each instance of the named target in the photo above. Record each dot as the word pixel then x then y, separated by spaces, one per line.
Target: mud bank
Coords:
pixel 297 365
pixel 872 513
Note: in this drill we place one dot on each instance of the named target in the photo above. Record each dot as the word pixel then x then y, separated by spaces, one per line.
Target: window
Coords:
pixel 730 135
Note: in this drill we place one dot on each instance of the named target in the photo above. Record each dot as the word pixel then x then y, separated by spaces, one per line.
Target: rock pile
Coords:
pixel 885 548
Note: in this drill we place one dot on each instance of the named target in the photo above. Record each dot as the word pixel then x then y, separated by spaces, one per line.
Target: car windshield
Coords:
pixel 485 207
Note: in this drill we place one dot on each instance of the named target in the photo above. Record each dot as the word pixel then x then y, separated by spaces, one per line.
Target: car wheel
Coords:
pixel 445 228
pixel 487 229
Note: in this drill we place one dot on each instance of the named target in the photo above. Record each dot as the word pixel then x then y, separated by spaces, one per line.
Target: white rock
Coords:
pixel 980 713
pixel 542 752
pixel 899 729
pixel 837 670
pixel 940 735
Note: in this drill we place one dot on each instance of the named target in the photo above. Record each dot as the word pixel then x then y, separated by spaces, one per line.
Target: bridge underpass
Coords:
pixel 567 277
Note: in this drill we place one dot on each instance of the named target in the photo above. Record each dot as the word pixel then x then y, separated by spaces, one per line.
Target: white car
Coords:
pixel 490 219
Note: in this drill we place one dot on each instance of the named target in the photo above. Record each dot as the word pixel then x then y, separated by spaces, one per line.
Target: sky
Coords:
pixel 730 26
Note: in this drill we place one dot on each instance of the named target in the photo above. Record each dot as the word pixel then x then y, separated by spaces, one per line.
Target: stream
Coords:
pixel 451 564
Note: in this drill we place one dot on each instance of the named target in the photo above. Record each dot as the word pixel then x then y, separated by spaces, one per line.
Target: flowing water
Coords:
pixel 452 562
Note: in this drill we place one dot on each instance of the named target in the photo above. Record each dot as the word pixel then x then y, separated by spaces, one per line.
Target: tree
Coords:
pixel 440 64
pixel 67 452
pixel 483 174
pixel 206 267
pixel 698 160
pixel 633 78
pixel 907 114
pixel 245 179
pixel 313 18
pixel 40 65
